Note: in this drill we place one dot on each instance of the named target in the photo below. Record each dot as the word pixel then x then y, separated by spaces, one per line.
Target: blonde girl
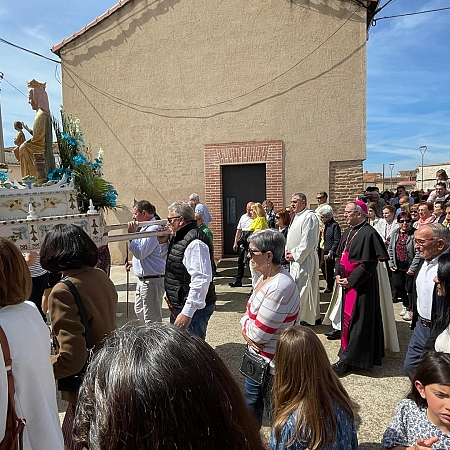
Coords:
pixel 311 407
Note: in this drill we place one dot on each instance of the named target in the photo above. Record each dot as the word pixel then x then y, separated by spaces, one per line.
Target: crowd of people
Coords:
pixel 126 388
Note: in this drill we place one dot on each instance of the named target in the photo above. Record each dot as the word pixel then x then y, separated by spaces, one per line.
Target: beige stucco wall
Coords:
pixel 158 80
pixel 429 174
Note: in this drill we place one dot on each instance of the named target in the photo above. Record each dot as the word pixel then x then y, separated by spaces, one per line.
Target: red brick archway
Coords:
pixel 217 155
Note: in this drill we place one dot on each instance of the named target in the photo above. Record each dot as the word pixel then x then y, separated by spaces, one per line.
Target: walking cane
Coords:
pixel 171 308
pixel 128 275
pixel 325 270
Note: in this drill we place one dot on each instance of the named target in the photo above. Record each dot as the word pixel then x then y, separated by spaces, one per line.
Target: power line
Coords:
pixel 144 108
pixel 374 22
pixel 29 51
pixel 18 90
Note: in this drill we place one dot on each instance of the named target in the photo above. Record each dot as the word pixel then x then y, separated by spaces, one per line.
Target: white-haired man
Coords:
pixel 194 201
pixel 360 250
pixel 189 274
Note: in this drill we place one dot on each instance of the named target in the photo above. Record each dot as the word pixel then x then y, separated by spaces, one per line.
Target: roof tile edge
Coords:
pixel 57 48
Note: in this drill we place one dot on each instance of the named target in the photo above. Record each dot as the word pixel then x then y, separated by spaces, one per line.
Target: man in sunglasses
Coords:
pixel 189 270
pixel 431 240
pixel 321 199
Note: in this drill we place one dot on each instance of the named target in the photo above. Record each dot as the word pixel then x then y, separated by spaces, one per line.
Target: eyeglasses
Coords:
pixel 404 221
pixel 252 252
pixel 169 219
pixel 319 198
pixel 414 211
pixel 422 241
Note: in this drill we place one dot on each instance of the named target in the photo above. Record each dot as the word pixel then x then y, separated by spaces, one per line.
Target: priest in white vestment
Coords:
pixel 301 252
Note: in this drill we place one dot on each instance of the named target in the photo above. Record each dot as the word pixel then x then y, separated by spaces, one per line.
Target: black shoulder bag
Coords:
pixel 73 382
pixel 254 367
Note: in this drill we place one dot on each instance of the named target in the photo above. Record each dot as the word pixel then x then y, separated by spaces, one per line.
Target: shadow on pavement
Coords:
pixel 369 446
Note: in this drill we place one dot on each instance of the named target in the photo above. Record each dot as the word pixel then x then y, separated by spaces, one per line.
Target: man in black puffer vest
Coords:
pixel 188 275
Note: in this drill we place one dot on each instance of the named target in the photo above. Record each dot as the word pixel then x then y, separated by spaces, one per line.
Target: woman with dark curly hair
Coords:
pixel 69 250
pixel 156 386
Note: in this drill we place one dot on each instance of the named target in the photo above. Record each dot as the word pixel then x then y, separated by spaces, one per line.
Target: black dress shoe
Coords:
pixel 303 323
pixel 235 284
pixel 333 335
pixel 341 369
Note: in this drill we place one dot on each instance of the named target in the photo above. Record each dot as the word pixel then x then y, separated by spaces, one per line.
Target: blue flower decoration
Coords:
pixel 78 160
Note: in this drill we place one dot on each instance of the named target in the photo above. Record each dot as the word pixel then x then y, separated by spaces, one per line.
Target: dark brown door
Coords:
pixel 240 184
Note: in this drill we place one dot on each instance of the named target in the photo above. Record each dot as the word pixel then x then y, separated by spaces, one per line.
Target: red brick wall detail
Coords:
pixel 216 155
pixel 346 183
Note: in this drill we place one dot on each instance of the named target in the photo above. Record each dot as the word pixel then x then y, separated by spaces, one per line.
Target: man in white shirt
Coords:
pixel 148 265
pixel 243 225
pixel 188 273
pixel 432 240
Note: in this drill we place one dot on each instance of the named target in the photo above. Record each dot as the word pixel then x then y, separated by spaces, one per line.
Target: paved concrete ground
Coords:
pixel 377 391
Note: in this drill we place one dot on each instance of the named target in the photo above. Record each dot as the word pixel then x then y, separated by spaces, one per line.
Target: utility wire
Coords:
pixel 152 107
pixel 374 22
pixel 29 51
pixel 18 90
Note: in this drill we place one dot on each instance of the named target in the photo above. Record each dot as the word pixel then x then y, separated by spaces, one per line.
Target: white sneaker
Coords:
pixel 402 312
pixel 407 316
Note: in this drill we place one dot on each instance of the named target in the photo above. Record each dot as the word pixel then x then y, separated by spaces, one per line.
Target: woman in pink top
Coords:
pixel 426 215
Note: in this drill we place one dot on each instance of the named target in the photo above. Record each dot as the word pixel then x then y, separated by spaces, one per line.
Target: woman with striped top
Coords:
pixel 272 307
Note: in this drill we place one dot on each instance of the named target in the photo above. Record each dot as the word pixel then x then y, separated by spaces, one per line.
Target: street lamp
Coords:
pixel 422 149
pixel 391 166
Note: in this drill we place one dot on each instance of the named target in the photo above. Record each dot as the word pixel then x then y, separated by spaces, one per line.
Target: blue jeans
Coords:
pixel 199 320
pixel 420 335
pixel 259 397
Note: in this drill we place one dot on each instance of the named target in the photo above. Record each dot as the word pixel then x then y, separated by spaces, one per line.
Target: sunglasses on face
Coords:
pixel 170 219
pixel 252 252
pixel 404 221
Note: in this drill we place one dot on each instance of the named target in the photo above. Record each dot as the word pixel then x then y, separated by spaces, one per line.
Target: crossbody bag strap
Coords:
pixel 259 354
pixel 11 389
pixel 82 311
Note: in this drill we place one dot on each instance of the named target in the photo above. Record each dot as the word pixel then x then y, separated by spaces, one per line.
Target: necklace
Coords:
pixel 349 240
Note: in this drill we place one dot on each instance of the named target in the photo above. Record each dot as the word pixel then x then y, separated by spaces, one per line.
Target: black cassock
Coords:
pixel 365 345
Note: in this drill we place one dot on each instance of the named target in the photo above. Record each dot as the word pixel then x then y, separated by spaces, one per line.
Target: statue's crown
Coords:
pixel 35 84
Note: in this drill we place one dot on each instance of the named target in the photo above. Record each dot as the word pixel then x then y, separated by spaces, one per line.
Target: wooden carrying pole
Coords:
pixel 128 276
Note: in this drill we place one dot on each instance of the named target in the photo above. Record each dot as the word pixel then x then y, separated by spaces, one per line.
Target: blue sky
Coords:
pixel 408 85
pixel 408 74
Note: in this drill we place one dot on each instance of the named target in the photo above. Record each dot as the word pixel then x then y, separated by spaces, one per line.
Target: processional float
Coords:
pixel 28 213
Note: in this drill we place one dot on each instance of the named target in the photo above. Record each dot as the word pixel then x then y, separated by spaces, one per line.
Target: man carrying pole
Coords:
pixel 148 265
